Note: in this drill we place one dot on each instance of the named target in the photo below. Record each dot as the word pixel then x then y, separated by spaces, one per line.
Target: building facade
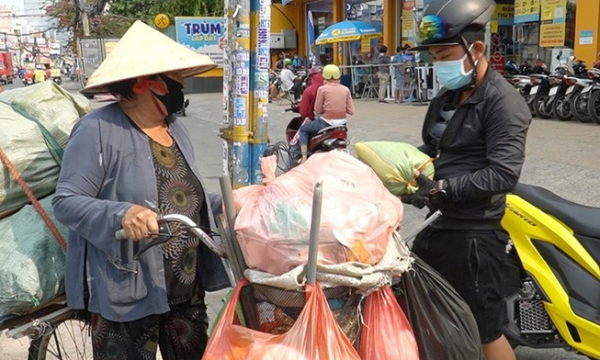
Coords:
pixel 522 29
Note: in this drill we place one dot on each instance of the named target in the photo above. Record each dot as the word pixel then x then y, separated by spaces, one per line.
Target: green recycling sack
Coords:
pixel 35 122
pixel 395 163
pixel 32 262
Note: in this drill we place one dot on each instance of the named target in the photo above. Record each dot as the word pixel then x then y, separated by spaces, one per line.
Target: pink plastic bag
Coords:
pixel 386 333
pixel 268 165
pixel 314 336
pixel 358 215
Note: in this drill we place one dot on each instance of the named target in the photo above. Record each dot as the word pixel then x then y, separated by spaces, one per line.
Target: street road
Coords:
pixel 561 156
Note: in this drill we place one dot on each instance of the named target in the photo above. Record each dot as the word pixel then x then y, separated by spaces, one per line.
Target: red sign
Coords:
pixel 498 60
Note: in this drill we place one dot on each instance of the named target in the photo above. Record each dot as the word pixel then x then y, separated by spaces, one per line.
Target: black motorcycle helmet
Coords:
pixel 449 22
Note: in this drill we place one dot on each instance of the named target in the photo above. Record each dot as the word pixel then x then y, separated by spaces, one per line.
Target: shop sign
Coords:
pixel 552 35
pixel 586 37
pixel 498 61
pixel 504 15
pixel 203 35
pixel 527 11
pixel 553 9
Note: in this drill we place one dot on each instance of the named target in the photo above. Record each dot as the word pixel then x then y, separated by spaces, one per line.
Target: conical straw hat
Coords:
pixel 143 51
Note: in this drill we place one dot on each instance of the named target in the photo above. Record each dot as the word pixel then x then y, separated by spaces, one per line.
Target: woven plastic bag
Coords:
pixel 444 326
pixel 386 333
pixel 24 143
pixel 395 164
pixel 358 215
pixel 32 262
pixel 314 336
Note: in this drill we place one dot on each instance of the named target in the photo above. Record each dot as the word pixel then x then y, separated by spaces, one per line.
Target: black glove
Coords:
pixel 420 199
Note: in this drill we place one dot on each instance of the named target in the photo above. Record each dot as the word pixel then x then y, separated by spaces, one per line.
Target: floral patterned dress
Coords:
pixel 182 332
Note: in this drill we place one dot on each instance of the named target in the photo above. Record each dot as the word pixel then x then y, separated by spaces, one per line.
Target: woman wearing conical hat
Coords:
pixel 124 164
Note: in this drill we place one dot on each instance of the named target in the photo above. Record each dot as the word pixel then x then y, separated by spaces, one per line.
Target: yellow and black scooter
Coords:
pixel 557 242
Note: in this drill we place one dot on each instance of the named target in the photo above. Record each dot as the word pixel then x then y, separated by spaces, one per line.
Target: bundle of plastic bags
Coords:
pixel 314 335
pixel 358 215
pixel 34 148
pixel 395 164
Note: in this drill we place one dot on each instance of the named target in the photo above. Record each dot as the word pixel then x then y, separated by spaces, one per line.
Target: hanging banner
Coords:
pixel 408 23
pixel 554 10
pixel 527 11
pixel 552 35
pixel 552 29
pixel 204 35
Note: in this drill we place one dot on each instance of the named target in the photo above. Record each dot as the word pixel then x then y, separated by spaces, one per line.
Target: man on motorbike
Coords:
pixel 39 75
pixel 332 104
pixel 309 96
pixel 475 129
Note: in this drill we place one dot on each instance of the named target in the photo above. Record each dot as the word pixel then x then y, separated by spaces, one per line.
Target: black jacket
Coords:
pixel 480 153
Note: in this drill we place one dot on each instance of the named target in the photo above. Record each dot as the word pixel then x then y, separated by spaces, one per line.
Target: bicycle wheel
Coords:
pixel 69 339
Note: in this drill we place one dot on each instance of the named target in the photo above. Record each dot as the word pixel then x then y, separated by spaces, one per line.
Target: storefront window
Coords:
pixel 370 12
pixel 322 15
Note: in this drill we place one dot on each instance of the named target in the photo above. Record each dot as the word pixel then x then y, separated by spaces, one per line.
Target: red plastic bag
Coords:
pixel 314 336
pixel 386 333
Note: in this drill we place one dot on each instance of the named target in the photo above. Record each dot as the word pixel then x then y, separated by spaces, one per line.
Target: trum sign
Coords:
pixel 204 35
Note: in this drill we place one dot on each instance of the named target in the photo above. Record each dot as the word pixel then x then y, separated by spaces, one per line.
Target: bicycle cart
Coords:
pixel 54 330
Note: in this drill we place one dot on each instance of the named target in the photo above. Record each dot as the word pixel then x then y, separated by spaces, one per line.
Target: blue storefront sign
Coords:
pixel 205 35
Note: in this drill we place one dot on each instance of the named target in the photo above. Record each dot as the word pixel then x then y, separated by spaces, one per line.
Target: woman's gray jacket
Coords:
pixel 107 168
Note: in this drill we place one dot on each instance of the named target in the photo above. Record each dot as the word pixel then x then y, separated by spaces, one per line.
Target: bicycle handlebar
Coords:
pixel 191 225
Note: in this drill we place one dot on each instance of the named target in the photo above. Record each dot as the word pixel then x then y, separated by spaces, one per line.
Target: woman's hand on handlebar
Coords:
pixel 139 222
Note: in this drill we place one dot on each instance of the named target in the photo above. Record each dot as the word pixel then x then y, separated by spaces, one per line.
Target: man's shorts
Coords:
pixel 472 262
pixel 398 81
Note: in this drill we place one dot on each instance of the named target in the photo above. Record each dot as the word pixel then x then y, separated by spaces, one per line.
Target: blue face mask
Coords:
pixel 451 74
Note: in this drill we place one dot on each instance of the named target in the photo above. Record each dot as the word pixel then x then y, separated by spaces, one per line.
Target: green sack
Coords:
pixel 49 104
pixel 32 262
pixel 395 163
pixel 36 123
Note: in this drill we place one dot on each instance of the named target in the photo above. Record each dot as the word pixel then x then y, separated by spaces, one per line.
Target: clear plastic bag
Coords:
pixel 358 215
pixel 443 324
pixel 314 336
pixel 386 333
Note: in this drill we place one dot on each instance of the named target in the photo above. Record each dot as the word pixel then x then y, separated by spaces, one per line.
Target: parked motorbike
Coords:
pixel 593 92
pixel 561 107
pixel 539 94
pixel 327 139
pixel 555 252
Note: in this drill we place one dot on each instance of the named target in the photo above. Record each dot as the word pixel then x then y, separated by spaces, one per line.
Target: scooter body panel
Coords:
pixel 563 269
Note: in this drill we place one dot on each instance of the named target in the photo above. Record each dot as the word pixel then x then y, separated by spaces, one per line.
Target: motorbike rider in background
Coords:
pixel 332 104
pixel 475 128
pixel 309 96
pixel 39 75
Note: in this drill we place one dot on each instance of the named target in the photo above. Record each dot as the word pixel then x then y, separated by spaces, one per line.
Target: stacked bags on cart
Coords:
pixel 36 122
pixel 351 312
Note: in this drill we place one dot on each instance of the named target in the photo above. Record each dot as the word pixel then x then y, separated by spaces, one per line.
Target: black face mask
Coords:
pixel 173 99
